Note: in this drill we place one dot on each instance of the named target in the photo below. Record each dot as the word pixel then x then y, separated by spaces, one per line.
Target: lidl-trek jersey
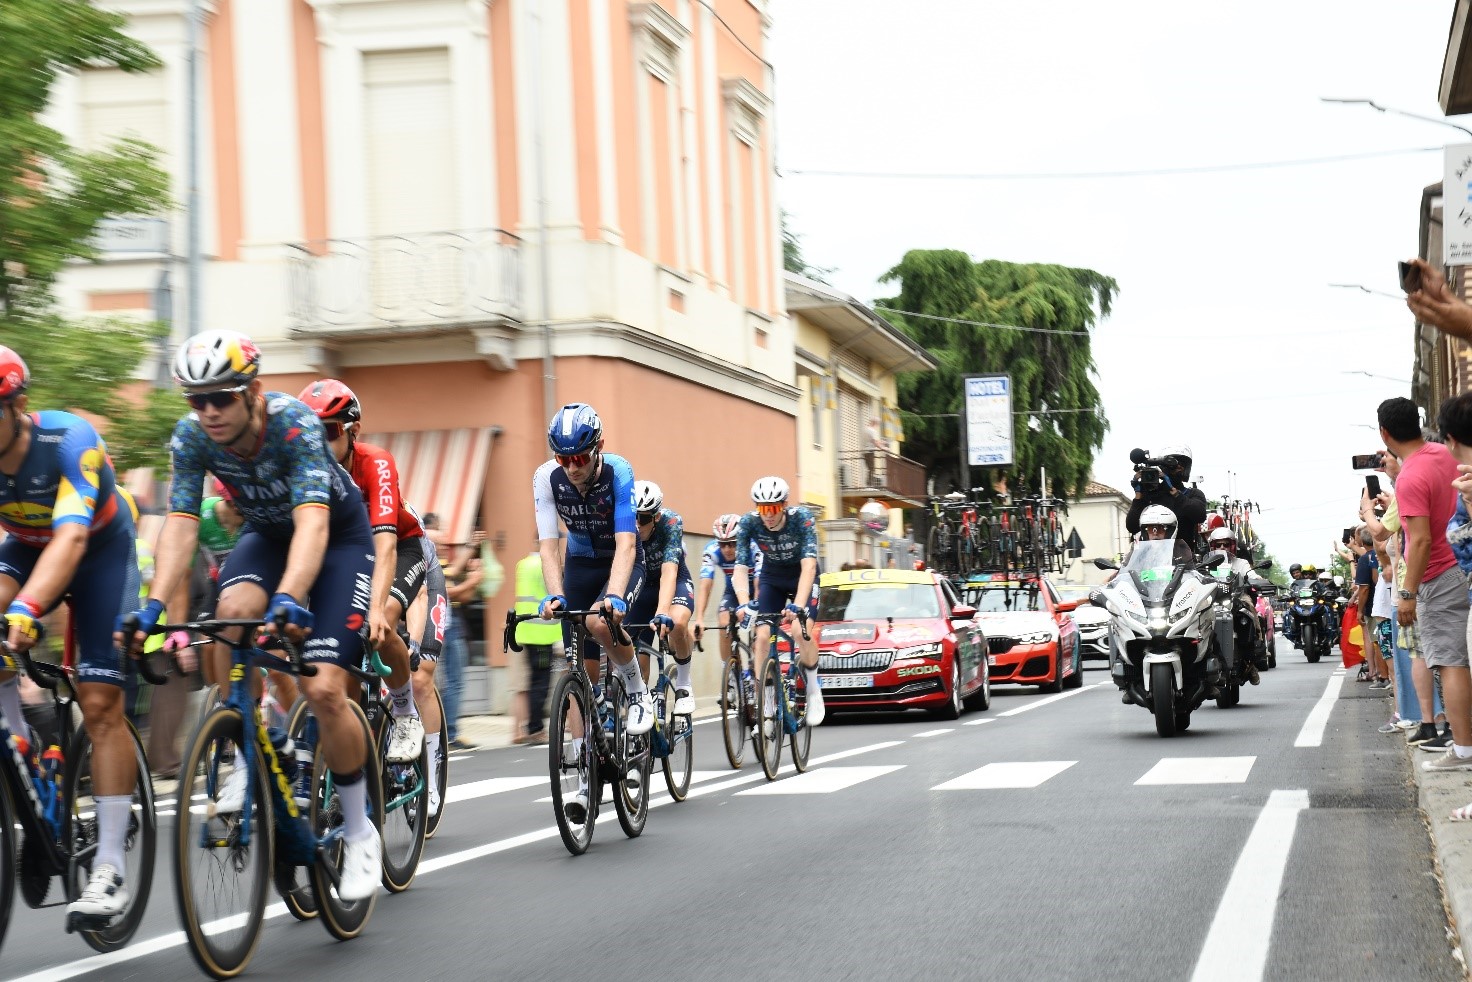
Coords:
pixel 66 478
pixel 291 467
pixel 593 519
pixel 782 551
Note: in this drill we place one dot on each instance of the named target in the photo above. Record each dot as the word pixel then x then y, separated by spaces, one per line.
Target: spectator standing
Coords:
pixel 874 450
pixel 1362 545
pixel 462 582
pixel 541 642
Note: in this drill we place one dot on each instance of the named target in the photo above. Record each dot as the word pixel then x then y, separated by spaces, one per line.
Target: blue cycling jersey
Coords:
pixel 782 551
pixel 292 468
pixel 66 478
pixel 592 519
pixel 666 542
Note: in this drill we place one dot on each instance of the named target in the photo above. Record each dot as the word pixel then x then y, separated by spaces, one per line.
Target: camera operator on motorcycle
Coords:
pixel 1246 628
pixel 1162 481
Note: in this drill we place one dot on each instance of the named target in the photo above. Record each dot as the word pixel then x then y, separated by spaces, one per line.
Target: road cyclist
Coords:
pixel 721 555
pixel 665 600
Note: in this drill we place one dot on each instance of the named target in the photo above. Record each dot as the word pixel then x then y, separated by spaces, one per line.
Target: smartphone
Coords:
pixel 1410 277
pixel 1346 537
pixel 1372 485
pixel 1365 461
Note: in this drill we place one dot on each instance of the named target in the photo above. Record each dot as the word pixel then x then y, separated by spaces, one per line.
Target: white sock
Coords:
pixel 354 800
pixel 432 741
pixel 113 811
pixel 1462 751
pixel 577 751
pixel 810 678
pixel 682 675
pixel 633 678
pixel 403 698
pixel 15 717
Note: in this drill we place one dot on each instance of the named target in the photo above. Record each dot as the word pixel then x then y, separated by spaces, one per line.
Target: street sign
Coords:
pixel 988 420
pixel 1456 206
pixel 131 233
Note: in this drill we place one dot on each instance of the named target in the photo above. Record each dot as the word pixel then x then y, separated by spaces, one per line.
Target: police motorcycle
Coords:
pixel 1161 629
pixel 1237 637
pixel 1311 617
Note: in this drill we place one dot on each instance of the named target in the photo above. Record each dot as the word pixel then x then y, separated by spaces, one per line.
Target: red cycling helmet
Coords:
pixel 14 375
pixel 331 399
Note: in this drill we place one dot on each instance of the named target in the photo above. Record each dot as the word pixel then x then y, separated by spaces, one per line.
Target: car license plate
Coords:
pixel 991 660
pixel 848 681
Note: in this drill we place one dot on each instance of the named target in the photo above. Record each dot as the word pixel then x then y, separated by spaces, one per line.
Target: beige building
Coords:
pixel 1098 517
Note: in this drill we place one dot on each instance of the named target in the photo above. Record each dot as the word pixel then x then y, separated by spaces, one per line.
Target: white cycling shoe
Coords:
pixel 434 799
pixel 231 796
pixel 815 705
pixel 639 713
pixel 406 740
pixel 104 896
pixel 684 703
pixel 576 807
pixel 362 867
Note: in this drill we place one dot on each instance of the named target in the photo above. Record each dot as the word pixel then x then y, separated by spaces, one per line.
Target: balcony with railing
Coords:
pixel 884 476
pixel 393 284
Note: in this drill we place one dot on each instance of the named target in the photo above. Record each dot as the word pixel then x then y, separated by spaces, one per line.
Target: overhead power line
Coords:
pixel 1090 175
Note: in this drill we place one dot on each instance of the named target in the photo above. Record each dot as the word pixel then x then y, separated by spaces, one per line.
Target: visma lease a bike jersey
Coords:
pixel 782 551
pixel 593 519
pixel 66 478
pixel 666 544
pixel 291 467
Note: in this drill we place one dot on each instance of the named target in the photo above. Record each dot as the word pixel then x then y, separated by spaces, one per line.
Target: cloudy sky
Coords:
pixel 1226 335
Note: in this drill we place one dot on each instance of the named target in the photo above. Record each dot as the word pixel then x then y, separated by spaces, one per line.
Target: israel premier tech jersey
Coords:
pixel 65 479
pixel 593 519
pixel 291 467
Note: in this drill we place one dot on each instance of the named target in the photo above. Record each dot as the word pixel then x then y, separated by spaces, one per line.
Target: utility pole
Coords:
pixel 193 286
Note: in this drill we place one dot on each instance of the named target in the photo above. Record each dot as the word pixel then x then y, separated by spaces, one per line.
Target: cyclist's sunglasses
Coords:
pixel 333 429
pixel 574 459
pixel 646 517
pixel 769 510
pixel 220 398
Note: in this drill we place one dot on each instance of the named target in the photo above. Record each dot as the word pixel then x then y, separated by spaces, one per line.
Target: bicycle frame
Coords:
pixel 661 744
pixel 788 715
pixel 372 680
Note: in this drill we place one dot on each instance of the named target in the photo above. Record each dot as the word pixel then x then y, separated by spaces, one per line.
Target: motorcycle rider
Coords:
pixel 1298 577
pixel 1331 589
pixel 1249 635
pixel 1188 504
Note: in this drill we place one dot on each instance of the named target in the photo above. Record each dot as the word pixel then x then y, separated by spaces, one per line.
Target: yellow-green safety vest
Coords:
pixel 530 589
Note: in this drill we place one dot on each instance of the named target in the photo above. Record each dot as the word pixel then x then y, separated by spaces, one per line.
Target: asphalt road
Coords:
pixel 1047 838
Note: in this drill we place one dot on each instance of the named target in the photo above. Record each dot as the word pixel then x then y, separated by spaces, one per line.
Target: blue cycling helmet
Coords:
pixel 575 428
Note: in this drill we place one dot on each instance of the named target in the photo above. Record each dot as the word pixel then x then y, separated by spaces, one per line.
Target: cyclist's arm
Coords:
pixel 308 547
pixel 551 550
pixel 72 513
pixel 669 573
pixel 742 584
pixel 805 582
pixel 702 598
pixel 623 562
pixel 173 554
pixel 56 566
pixel 385 565
pixel 741 574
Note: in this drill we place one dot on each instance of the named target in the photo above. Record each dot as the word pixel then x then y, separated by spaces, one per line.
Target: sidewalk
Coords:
pixel 1451 842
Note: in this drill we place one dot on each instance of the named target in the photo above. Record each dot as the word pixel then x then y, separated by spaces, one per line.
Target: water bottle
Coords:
pixel 285 752
pixel 51 762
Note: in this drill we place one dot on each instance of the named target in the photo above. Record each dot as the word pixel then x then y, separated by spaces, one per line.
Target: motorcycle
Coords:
pixel 1269 629
pixel 1236 631
pixel 1161 622
pixel 1311 616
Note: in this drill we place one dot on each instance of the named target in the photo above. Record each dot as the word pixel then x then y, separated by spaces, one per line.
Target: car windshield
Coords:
pixel 1003 599
pixel 876 601
pixel 1073 592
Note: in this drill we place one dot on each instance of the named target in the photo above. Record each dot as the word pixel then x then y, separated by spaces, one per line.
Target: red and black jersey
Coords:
pixel 377 476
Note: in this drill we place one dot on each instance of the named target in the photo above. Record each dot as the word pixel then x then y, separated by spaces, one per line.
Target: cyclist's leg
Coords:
pixel 773 593
pixel 682 608
pixel 641 611
pixel 105 587
pixel 408 733
pixel 430 642
pixel 16 562
pixel 639 711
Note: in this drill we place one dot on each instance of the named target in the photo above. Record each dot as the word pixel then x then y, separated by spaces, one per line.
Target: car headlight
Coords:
pixel 931 650
pixel 1037 637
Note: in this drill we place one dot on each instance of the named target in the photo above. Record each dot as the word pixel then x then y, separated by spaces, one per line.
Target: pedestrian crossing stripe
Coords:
pixel 824 781
pixel 1012 774
pixel 1199 770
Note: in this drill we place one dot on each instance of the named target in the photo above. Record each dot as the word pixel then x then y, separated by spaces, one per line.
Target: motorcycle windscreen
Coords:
pixel 1153 563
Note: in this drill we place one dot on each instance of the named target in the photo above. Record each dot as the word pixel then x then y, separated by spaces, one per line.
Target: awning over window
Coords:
pixel 441 471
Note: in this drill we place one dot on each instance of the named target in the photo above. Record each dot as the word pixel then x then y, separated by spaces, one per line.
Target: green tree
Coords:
pixel 792 257
pixel 1052 373
pixel 51 197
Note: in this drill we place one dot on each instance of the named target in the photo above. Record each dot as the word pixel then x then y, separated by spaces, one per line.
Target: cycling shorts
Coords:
pixel 408 572
pixel 642 610
pixel 338 600
pixel 437 619
pixel 584 583
pixel 776 591
pixel 728 599
pixel 105 586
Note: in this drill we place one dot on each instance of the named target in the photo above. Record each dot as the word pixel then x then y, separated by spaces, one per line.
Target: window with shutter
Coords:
pixel 115 104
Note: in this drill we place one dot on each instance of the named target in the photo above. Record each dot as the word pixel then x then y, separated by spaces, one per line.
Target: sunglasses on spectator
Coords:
pixel 646 517
pixel 574 459
pixel 767 511
pixel 220 398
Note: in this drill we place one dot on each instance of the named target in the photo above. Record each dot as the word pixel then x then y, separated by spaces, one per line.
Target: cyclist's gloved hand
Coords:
pixel 548 601
pixel 663 623
pixel 620 607
pixel 24 614
pixel 296 614
pixel 794 610
pixel 146 619
pixel 744 614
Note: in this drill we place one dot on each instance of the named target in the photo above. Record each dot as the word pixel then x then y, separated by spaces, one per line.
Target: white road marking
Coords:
pixel 1236 947
pixel 1044 702
pixel 931 733
pixel 695 778
pixel 494 785
pixel 1312 734
pixel 824 781
pixel 978 722
pixel 1199 770
pixel 1012 774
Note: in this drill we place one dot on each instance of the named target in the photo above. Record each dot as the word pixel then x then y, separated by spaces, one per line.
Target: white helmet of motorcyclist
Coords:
pixel 1158 517
pixel 1181 454
pixel 1338 580
pixel 1223 540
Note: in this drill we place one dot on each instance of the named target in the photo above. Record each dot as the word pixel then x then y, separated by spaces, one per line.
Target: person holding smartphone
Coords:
pixel 1432 300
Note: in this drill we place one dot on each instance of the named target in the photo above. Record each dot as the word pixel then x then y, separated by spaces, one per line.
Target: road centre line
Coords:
pixel 175 939
pixel 1044 702
pixel 978 722
pixel 1236 947
pixel 931 733
pixel 1312 734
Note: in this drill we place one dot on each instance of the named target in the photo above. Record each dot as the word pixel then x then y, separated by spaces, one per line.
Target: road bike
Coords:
pixel 781 705
pixel 613 756
pixel 738 700
pixel 225 858
pixel 49 797
pixel 672 739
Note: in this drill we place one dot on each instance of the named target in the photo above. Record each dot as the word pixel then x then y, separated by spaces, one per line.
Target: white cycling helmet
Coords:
pixel 769 491
pixel 726 527
pixel 217 357
pixel 1158 515
pixel 647 496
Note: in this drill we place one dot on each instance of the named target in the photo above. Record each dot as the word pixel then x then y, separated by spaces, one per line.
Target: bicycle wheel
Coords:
pixel 220 878
pixel 7 861
pixel 733 713
pixel 343 919
pixel 79 835
pixel 405 814
pixel 441 776
pixel 293 883
pixel 801 740
pixel 769 712
pixel 571 762
pixel 679 763
pixel 633 763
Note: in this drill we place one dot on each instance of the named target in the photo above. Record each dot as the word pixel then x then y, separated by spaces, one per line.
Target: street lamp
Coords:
pixel 1398 112
pixel 1364 289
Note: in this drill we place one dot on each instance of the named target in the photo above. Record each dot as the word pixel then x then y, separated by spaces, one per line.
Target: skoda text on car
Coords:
pixel 1093 622
pixel 898 639
pixel 1031 639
